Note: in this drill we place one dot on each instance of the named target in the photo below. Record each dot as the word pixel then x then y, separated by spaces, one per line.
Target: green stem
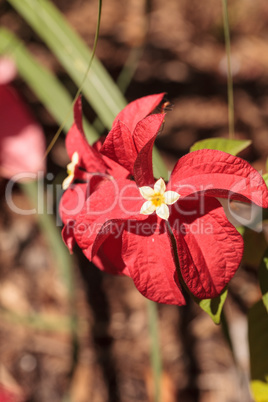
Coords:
pixel 229 69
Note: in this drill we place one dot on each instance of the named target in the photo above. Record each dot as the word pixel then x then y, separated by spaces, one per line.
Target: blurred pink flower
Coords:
pixel 8 70
pixel 22 142
pixel 8 396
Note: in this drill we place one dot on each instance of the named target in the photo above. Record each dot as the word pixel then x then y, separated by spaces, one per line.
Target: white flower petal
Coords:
pixel 163 211
pixel 67 181
pixel 147 208
pixel 160 186
pixel 171 197
pixel 147 192
pixel 75 158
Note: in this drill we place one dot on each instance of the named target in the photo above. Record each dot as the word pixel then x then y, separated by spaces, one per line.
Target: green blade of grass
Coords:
pixel 44 84
pixel 74 55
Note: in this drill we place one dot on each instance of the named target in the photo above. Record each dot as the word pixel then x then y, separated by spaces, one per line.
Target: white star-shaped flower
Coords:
pixel 158 199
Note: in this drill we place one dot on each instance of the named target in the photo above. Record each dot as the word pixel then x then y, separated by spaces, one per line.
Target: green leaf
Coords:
pixel 258 341
pixel 232 147
pixel 241 230
pixel 213 307
pixel 265 178
pixel 44 84
pixel 263 278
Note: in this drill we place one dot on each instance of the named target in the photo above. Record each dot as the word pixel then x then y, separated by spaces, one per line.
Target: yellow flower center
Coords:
pixel 157 199
pixel 70 171
pixel 70 168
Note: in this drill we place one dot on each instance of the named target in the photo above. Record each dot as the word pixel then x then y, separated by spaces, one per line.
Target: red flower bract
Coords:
pixel 108 225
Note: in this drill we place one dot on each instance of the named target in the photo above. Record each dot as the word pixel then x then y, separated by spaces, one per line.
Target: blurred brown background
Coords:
pixel 181 52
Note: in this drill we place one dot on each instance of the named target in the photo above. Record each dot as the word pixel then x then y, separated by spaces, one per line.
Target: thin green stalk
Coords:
pixel 229 69
pixel 156 362
pixel 74 55
pixel 49 90
pixel 78 92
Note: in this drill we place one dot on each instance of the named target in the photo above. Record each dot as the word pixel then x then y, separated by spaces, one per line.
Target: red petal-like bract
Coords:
pixel 143 166
pixel 218 174
pixel 119 146
pixel 209 247
pixel 89 158
pixel 147 129
pixel 137 110
pixel 113 200
pixel 109 257
pixel 132 131
pixel 72 201
pixel 151 265
pixel 71 204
